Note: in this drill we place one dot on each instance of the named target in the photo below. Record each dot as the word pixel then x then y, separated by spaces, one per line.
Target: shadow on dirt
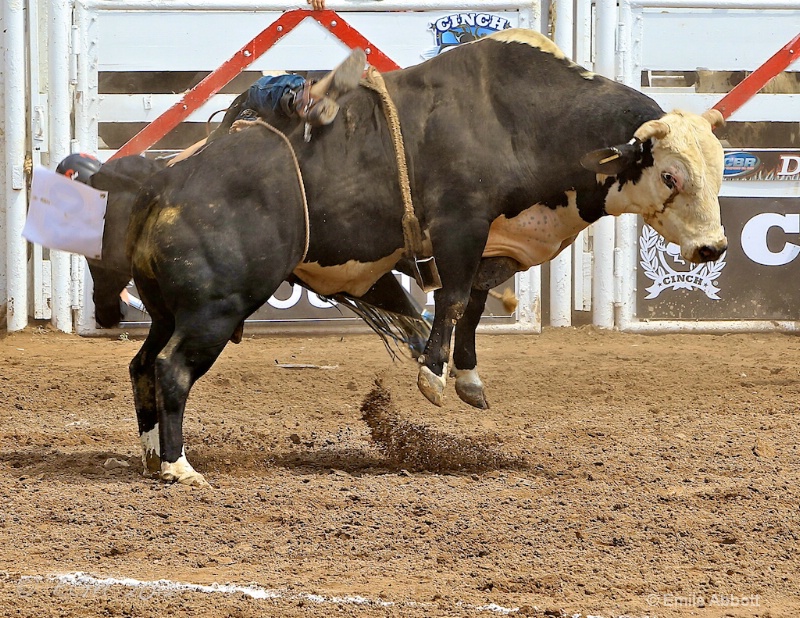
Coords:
pixel 54 464
pixel 397 445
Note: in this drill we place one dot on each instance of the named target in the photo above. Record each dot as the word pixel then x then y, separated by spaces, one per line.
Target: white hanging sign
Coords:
pixel 65 214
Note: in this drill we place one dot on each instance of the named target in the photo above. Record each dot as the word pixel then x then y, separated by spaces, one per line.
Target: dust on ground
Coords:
pixel 614 474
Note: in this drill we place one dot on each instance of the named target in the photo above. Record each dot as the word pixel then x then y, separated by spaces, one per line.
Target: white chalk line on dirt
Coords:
pixel 79 579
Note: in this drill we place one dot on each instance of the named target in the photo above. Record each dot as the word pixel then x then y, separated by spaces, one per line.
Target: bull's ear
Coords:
pixel 614 160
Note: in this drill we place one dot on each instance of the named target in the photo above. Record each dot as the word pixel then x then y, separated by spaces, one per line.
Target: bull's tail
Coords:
pixel 394 329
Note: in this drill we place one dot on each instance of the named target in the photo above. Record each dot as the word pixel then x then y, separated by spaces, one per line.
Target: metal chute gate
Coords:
pixel 108 76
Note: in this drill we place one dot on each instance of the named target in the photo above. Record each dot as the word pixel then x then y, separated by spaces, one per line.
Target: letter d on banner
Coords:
pixel 789 166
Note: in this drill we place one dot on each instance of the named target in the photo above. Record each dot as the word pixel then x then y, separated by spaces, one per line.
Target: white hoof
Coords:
pixel 182 472
pixel 431 385
pixel 470 388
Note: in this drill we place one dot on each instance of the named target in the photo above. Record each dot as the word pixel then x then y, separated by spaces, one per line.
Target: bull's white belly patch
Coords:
pixel 536 235
pixel 352 277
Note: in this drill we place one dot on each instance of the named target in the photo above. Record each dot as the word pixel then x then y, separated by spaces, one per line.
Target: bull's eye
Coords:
pixel 669 180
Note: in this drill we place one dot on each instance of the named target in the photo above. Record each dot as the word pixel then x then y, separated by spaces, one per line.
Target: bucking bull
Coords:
pixel 511 150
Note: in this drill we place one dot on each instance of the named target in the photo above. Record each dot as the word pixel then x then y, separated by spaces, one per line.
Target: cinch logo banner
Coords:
pixel 662 263
pixel 753 280
pixel 459 28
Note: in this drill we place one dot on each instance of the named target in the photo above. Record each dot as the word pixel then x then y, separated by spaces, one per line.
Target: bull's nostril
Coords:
pixel 708 254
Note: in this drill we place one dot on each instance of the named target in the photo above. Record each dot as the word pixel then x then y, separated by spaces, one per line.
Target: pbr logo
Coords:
pixel 663 264
pixel 740 164
pixel 459 28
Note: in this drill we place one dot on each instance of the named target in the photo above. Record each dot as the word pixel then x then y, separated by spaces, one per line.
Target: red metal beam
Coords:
pixel 754 82
pixel 215 81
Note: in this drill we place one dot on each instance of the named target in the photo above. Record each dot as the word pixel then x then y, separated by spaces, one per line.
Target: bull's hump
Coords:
pixel 537 234
pixel 539 41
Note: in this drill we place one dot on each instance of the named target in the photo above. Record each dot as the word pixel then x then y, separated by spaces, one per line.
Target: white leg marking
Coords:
pixel 151 451
pixel 468 377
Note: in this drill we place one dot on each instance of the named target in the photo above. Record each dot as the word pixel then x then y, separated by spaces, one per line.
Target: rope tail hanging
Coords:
pixel 411 229
pixel 425 270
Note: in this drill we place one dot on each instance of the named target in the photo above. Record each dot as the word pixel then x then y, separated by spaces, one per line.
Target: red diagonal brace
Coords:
pixel 215 81
pixel 754 82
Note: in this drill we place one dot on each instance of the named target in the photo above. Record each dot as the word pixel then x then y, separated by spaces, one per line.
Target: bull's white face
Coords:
pixel 678 194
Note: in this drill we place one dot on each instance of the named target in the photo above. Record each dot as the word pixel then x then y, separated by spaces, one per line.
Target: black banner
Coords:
pixel 756 278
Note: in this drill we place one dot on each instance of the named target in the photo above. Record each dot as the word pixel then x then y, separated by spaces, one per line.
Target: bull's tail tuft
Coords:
pixel 394 329
pixel 508 298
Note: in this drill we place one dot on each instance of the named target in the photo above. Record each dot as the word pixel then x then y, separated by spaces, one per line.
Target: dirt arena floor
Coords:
pixel 614 475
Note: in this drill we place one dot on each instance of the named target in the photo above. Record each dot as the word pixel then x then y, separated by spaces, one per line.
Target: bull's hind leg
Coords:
pixel 142 372
pixel 189 354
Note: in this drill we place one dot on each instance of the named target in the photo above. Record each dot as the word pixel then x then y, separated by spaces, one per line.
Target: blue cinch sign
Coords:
pixel 458 28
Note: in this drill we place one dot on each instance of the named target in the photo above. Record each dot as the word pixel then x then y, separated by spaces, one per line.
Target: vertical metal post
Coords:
pixel 87 112
pixel 14 124
pixel 39 267
pixel 3 191
pixel 626 225
pixel 561 265
pixel 58 84
pixel 529 311
pixel 603 230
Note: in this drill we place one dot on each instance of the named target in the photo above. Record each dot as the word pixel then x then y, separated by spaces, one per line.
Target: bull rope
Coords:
pixel 411 229
pixel 412 234
pixel 239 125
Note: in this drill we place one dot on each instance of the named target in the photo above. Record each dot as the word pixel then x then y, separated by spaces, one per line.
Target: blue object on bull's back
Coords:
pixel 264 97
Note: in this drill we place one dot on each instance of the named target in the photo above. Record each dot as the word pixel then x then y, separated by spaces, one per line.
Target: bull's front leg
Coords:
pixel 468 383
pixel 457 249
pixel 469 386
pixel 433 370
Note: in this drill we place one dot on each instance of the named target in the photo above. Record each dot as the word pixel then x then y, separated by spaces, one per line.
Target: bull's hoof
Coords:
pixel 152 463
pixel 431 385
pixel 182 472
pixel 151 453
pixel 473 395
pixel 470 388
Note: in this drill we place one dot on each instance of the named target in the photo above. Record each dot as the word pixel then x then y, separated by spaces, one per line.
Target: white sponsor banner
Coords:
pixel 65 214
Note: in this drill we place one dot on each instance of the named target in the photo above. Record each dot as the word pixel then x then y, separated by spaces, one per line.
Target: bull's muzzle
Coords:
pixel 709 253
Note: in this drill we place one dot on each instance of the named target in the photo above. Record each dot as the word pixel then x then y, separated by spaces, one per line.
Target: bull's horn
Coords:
pixel 650 129
pixel 714 117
